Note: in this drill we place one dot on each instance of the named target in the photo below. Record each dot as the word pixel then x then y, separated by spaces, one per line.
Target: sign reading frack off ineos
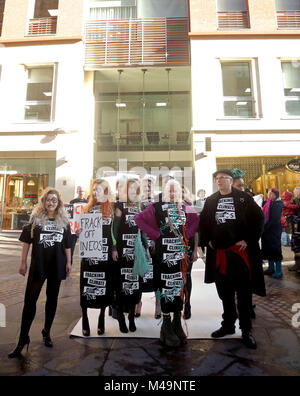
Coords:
pixel 294 165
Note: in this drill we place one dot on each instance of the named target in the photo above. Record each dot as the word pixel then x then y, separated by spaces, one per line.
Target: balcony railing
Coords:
pixel 233 20
pixel 133 42
pixel 288 19
pixel 42 26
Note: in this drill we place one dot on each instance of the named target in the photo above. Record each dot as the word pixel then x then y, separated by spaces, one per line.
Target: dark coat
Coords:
pixel 271 237
pixel 251 220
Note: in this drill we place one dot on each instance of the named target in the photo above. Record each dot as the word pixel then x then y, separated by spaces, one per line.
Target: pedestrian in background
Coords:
pixel 271 237
pixel 231 224
pixel 295 241
pixel 49 233
pixel 79 199
pixel 288 212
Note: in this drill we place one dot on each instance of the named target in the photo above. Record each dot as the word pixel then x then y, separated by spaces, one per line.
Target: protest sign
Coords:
pixel 74 211
pixel 90 239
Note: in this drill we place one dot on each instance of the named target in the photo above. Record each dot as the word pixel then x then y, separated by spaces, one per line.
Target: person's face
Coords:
pixel 100 192
pixel 239 184
pixel 80 193
pixel 297 193
pixel 201 194
pixel 271 195
pixel 148 188
pixel 51 203
pixel 132 192
pixel 224 182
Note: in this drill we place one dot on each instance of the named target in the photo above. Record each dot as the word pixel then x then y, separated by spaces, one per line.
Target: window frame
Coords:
pixel 253 66
pixel 285 116
pixel 36 102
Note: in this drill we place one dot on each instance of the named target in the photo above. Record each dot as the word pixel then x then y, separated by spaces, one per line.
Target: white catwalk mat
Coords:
pixel 206 314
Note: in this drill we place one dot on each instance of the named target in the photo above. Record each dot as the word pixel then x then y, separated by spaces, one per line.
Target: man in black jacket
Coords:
pixel 231 224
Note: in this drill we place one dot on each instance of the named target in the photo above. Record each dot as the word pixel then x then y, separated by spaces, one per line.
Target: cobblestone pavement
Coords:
pixel 278 340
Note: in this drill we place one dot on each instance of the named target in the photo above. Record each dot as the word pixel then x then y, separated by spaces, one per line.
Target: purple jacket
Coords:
pixel 146 222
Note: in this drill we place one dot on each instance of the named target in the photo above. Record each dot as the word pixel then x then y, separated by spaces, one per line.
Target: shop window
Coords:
pixel 238 92
pixel 39 95
pixel 291 86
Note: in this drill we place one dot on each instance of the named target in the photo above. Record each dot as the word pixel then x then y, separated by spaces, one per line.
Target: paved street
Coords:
pixel 278 341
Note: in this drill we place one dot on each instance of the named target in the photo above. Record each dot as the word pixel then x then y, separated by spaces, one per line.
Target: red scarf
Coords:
pixel 221 260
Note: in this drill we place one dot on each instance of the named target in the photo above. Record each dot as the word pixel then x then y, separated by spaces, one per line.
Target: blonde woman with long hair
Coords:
pixel 49 233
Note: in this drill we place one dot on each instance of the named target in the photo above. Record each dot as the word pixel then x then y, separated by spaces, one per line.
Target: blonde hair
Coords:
pixel 39 215
pixel 177 191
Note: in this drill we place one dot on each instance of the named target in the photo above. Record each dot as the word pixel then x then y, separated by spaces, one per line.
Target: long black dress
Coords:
pixel 128 286
pixel 96 274
pixel 169 278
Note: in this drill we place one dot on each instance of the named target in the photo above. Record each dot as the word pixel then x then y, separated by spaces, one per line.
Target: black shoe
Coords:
pixel 85 327
pixel 47 340
pixel 248 340
pixel 187 312
pixel 21 344
pixel 222 332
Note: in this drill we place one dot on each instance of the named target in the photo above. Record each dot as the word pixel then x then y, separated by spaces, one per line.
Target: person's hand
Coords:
pixel 23 269
pixel 210 245
pixel 243 245
pixel 148 254
pixel 194 256
pixel 115 255
pixel 68 269
pixel 78 232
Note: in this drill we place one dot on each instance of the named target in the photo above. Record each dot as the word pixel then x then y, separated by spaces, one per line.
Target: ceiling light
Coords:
pixel 120 104
pixel 242 103
pixel 162 104
pixel 31 183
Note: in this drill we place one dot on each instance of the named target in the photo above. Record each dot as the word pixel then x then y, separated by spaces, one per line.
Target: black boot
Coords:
pixel 46 338
pixel 101 322
pixel 177 327
pixel 131 317
pixel 85 324
pixel 248 340
pixel 167 335
pixel 21 344
pixel 122 323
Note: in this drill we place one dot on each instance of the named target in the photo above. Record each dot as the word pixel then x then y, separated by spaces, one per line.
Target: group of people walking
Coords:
pixel 163 229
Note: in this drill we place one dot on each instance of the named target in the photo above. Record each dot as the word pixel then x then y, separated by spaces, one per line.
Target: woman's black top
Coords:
pixel 48 257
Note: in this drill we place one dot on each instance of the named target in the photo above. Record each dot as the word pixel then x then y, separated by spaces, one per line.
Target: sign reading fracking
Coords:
pixel 90 239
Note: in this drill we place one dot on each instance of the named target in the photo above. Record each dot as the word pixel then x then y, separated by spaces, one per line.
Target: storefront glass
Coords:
pixel 21 184
pixel 142 110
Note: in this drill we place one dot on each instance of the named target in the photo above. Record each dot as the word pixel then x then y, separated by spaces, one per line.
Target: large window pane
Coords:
pixel 291 84
pixel 109 10
pixel 231 5
pixel 39 94
pixel 161 8
pixel 237 89
pixel 45 8
pixel 288 5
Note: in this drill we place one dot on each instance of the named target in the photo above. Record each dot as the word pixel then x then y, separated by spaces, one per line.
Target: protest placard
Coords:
pixel 74 211
pixel 90 239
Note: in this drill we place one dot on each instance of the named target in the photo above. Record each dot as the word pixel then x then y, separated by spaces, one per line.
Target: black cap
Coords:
pixel 225 171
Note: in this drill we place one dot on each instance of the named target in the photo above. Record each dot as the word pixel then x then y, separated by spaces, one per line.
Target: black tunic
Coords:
pixel 128 286
pixel 48 257
pixel 170 254
pixel 96 274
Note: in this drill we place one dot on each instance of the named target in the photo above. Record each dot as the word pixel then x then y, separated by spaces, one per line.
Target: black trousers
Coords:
pixel 236 282
pixel 33 291
pixel 73 240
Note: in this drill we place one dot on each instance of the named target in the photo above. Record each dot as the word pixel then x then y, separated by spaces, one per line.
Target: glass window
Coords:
pixel 38 105
pixel 110 10
pixel 291 85
pixel 2 5
pixel 161 8
pixel 288 5
pixel 231 5
pixel 238 98
pixel 45 8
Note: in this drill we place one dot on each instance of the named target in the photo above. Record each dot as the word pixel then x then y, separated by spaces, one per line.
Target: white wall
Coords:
pixel 74 111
